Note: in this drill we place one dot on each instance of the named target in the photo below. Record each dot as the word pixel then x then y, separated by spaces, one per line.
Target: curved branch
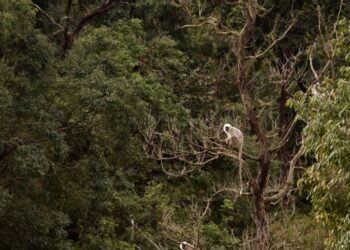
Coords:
pixel 69 37
pixel 286 135
pixel 47 16
pixel 290 178
pixel 149 239
pixel 274 42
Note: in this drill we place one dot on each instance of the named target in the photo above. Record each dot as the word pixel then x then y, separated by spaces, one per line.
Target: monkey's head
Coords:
pixel 186 246
pixel 227 127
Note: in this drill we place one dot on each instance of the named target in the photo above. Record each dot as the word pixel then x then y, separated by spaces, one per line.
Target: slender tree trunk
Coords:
pixel 132 12
pixel 67 38
pixel 283 122
pixel 260 217
pixel 261 224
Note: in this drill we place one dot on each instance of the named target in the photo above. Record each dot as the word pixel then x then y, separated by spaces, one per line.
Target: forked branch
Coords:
pixel 290 178
pixel 186 150
pixel 71 33
pixel 274 42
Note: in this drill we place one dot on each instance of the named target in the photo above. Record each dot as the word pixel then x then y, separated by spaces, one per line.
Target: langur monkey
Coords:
pixel 235 139
pixel 186 246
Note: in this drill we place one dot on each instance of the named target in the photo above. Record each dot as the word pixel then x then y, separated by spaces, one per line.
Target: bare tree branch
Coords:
pixel 318 75
pixel 290 179
pixel 214 23
pixel 149 239
pixel 274 42
pixel 286 135
pixel 48 16
pixel 335 25
pixel 201 144
pixel 69 36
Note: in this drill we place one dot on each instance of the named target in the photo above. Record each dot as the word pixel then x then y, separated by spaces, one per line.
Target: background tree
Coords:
pixel 79 79
pixel 204 149
pixel 325 137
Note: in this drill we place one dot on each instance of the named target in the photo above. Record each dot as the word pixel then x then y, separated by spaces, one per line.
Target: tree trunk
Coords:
pixel 260 218
pixel 283 122
pixel 261 224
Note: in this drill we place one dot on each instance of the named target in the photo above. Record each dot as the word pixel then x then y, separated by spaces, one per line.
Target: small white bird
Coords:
pixel 186 246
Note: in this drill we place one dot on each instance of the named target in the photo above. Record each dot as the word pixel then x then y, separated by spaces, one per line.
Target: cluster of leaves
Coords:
pixel 69 128
pixel 73 168
pixel 327 117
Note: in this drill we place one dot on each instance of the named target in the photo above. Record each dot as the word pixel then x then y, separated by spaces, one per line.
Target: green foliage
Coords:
pixel 69 141
pixel 217 237
pixel 30 225
pixel 104 237
pixel 73 169
pixel 325 136
pixel 302 230
pixel 16 19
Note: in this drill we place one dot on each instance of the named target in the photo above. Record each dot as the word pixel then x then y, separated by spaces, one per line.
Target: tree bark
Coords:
pixel 7 149
pixel 260 218
pixel 283 123
pixel 69 36
pixel 261 224
pixel 67 39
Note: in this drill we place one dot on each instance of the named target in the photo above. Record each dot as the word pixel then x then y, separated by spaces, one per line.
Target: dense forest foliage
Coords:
pixel 112 115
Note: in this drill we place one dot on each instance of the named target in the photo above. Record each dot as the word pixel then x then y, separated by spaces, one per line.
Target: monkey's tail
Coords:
pixel 240 170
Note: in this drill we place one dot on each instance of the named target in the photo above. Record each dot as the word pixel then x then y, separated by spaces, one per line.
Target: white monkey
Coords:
pixel 235 138
pixel 186 246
